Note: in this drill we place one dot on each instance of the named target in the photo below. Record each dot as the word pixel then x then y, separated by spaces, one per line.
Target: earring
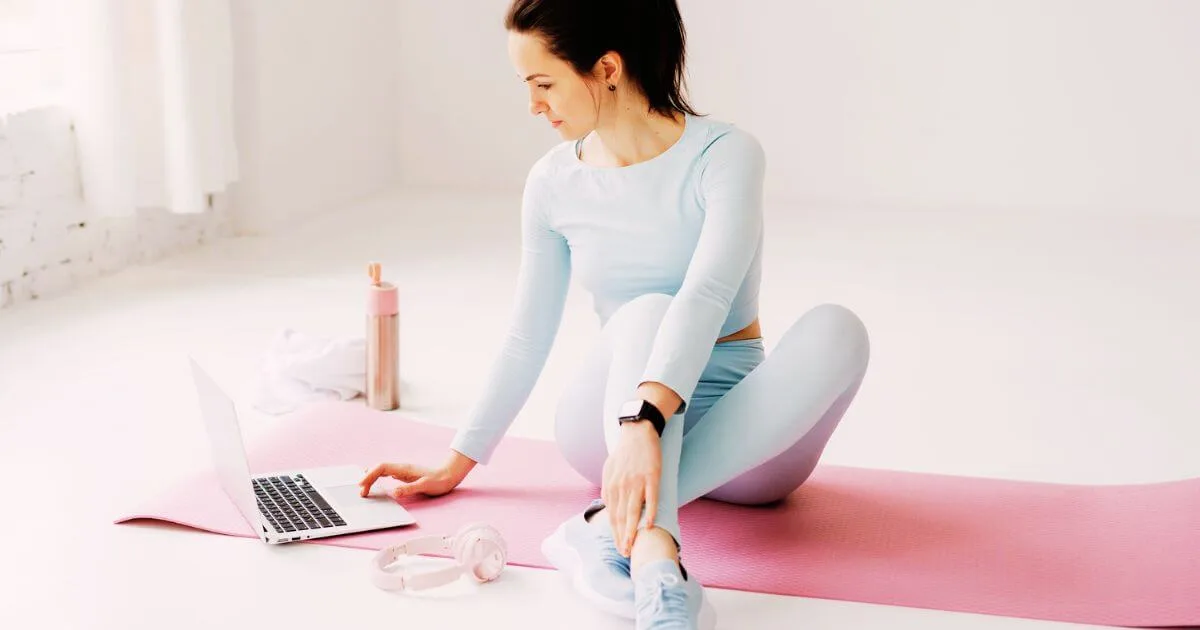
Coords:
pixel 612 88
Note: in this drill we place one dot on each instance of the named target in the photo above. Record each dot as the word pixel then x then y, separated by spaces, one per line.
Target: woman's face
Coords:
pixel 555 90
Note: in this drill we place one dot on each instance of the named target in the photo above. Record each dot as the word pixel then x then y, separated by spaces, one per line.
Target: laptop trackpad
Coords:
pixel 374 508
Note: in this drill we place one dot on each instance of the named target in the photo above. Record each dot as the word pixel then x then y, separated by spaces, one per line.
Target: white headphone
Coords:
pixel 478 550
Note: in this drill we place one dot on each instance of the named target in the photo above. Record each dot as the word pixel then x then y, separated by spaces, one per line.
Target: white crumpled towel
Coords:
pixel 300 368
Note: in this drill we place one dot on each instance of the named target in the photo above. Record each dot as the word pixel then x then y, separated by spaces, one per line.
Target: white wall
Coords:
pixel 463 122
pixel 48 241
pixel 1076 106
pixel 315 107
pixel 315 103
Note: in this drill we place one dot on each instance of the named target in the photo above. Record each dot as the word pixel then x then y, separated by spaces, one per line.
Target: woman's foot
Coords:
pixel 583 549
pixel 666 598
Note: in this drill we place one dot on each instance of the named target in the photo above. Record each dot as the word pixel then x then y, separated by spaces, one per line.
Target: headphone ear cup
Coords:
pixel 481 550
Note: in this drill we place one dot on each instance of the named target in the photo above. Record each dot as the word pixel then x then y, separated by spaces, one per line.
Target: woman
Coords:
pixel 658 210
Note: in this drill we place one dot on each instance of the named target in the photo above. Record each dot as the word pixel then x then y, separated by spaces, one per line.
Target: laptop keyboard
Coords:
pixel 291 504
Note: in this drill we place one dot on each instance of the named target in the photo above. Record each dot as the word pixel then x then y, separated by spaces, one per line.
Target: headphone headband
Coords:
pixel 477 549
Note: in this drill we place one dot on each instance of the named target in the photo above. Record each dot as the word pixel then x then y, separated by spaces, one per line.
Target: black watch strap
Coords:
pixel 646 412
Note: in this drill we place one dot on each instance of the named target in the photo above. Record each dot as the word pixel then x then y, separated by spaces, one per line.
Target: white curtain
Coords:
pixel 149 85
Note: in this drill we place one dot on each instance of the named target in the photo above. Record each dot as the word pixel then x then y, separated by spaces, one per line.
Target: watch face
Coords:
pixel 630 409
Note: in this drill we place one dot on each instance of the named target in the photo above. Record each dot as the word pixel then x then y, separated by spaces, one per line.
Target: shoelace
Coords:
pixel 661 599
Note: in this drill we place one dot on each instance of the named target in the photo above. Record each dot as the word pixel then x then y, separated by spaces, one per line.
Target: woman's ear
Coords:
pixel 608 69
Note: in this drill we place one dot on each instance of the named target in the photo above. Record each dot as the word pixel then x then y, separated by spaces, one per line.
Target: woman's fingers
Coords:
pixel 403 472
pixel 409 489
pixel 651 502
pixel 372 476
pixel 616 516
pixel 608 495
pixel 407 473
pixel 632 513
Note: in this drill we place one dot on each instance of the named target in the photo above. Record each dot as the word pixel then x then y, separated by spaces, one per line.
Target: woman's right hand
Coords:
pixel 420 479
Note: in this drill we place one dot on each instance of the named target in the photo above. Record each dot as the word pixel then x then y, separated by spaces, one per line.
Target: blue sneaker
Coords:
pixel 667 599
pixel 587 553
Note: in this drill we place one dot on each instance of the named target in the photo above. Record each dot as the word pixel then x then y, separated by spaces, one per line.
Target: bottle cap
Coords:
pixel 382 297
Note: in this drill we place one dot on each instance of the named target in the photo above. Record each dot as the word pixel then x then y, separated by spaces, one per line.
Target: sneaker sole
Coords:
pixel 564 557
pixel 708 616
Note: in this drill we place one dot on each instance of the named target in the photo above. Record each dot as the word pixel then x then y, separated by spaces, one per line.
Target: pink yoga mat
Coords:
pixel 1116 555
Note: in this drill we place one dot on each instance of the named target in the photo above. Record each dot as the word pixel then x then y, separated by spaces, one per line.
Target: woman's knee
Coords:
pixel 838 330
pixel 647 304
pixel 644 312
pixel 837 320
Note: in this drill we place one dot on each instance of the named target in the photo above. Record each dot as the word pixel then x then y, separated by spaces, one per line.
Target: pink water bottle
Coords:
pixel 383 342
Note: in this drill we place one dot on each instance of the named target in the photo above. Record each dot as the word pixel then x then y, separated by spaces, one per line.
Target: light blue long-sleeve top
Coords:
pixel 686 223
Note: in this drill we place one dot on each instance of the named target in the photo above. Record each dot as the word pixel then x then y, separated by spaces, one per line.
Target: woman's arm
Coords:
pixel 542 284
pixel 732 188
pixel 731 185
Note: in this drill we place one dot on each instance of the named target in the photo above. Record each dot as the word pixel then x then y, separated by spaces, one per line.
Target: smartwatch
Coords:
pixel 642 411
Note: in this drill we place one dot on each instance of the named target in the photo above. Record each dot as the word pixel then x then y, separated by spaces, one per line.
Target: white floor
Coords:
pixel 1016 346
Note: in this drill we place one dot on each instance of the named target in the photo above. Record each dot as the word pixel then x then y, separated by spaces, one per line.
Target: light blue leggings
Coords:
pixel 756 425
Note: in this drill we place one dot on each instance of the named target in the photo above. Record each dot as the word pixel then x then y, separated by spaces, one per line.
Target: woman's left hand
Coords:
pixel 631 475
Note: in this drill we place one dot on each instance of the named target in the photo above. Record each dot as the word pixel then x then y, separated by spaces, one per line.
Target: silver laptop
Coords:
pixel 289 505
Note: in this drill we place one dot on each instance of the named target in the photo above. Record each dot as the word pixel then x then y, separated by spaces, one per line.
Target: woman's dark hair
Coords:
pixel 648 34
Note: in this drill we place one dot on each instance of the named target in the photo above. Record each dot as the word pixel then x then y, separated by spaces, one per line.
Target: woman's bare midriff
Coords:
pixel 752 331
